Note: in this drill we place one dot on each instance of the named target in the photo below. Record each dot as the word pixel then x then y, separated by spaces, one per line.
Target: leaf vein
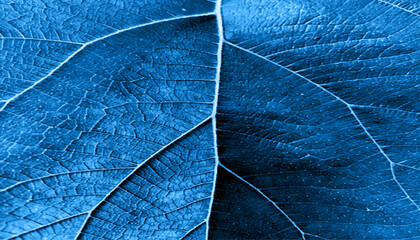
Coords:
pixel 134 170
pixel 348 105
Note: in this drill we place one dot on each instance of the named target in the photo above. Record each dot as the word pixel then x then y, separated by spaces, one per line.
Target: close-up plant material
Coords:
pixel 201 119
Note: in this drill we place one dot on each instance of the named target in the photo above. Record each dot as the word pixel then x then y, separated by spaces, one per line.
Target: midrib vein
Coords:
pixel 134 170
pixel 214 112
pixel 83 46
pixel 89 213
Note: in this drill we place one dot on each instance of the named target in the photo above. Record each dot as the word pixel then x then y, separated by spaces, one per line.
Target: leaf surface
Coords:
pixel 234 119
pixel 318 112
pixel 110 123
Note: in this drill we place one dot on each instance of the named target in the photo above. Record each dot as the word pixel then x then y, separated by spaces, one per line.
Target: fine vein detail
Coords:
pixel 349 106
pixel 399 7
pixel 61 174
pixel 193 229
pixel 93 41
pixel 40 39
pixel 47 225
pixel 271 201
pixel 134 170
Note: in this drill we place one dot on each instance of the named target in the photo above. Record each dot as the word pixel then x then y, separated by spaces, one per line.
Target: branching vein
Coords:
pixel 271 201
pixel 349 106
pixel 93 41
pixel 399 7
pixel 213 115
pixel 134 170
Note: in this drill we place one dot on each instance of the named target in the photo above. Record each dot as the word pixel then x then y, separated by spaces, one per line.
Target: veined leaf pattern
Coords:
pixel 197 119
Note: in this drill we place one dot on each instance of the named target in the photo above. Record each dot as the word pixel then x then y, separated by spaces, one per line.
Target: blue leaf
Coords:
pixel 198 119
pixel 318 121
pixel 117 123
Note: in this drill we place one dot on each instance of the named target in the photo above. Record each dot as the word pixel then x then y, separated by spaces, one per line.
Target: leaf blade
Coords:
pixel 94 114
